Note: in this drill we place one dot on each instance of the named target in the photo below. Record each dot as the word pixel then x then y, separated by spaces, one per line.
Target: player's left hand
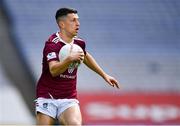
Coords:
pixel 111 81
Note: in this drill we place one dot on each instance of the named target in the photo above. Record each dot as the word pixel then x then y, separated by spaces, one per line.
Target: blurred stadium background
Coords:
pixel 137 41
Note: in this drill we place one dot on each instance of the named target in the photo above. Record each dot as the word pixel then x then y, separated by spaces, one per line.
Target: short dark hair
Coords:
pixel 63 12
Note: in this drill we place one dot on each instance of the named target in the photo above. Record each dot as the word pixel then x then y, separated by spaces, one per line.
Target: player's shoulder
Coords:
pixel 51 42
pixel 53 39
pixel 79 40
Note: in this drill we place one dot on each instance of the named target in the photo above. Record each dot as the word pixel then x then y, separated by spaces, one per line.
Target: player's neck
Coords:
pixel 65 37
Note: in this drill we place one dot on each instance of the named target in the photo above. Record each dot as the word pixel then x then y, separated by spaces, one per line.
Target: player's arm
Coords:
pixel 93 65
pixel 56 67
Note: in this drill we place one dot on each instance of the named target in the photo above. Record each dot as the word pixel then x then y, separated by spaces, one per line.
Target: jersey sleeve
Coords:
pixel 51 52
pixel 84 47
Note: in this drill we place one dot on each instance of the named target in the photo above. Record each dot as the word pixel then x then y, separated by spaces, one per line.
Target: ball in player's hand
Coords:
pixel 65 51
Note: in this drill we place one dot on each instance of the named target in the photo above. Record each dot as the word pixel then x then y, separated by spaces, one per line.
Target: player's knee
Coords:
pixel 74 121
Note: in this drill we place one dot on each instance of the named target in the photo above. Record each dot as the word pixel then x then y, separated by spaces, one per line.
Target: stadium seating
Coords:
pixel 136 41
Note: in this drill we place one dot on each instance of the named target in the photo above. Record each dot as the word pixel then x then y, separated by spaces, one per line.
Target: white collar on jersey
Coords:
pixel 57 34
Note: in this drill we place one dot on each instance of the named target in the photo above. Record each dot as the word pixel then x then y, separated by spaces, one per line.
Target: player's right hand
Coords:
pixel 76 56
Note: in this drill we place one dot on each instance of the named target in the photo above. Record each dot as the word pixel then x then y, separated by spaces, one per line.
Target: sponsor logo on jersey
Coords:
pixel 67 76
pixel 51 55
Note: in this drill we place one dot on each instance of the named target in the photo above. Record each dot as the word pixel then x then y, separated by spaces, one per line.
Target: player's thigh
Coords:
pixel 42 119
pixel 71 116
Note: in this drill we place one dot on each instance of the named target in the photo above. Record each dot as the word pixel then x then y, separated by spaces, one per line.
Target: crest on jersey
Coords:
pixel 45 105
pixel 72 66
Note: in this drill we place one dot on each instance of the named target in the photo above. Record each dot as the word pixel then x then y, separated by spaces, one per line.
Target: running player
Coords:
pixel 56 88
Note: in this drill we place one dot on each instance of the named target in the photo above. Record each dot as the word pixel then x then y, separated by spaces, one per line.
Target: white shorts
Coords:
pixel 54 107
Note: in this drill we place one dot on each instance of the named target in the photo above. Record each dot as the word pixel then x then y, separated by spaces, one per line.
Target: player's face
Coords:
pixel 71 24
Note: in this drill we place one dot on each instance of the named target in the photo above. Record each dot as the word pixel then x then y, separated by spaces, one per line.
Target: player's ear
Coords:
pixel 61 24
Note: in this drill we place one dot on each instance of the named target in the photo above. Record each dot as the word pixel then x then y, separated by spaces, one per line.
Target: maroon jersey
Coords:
pixel 64 85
